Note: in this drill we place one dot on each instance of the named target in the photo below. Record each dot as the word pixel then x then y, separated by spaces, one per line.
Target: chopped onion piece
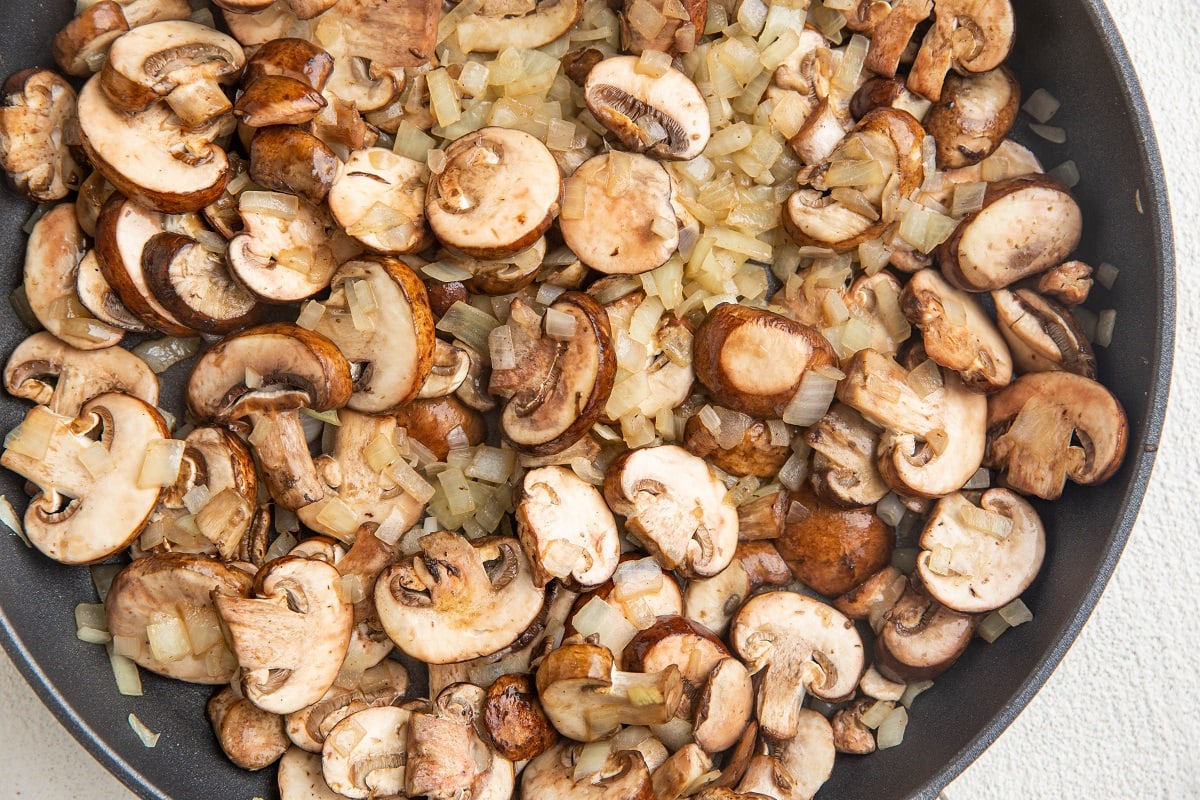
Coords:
pixel 196 498
pixel 855 173
pixel 874 716
pixel 446 272
pixel 891 730
pixel 168 638
pixel 338 517
pixel 468 323
pixel 380 453
pixel 811 400
pixel 162 354
pixel 1050 133
pixel 271 204
pixel 410 481
pixel 912 690
pixel 1041 105
pixel 8 516
pixel 148 737
pixel 636 579
pixel 991 627
pixel 282 545
pixel 1106 321
pixel 592 758
pixel 559 324
pixel 1106 274
pixel 938 440
pixel 793 471
pixel 939 560
pixel 1066 173
pixel 925 378
pixel 1015 613
pixel 328 417
pixel 491 464
pixel 968 198
pixel 982 479
pixel 161 463
pixel 984 521
pixel 602 620
pixel 850 68
pixel 890 509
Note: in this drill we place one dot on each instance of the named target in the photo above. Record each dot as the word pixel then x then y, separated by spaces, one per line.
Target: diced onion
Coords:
pixel 392 528
pixel 850 68
pixel 600 619
pixel 982 479
pixel 559 324
pixel 1015 613
pixel 8 516
pixel 168 638
pixel 636 579
pixel 338 518
pixel 1066 173
pixel 874 716
pixel 1050 133
pixel 148 737
pixel 811 400
pixel 1041 105
pixel 891 730
pixel 161 463
pixel 410 481
pixel 310 315
pixel 890 509
pixel 793 471
pixel 469 324
pixel 196 498
pixel 271 204
pixel 491 464
pixel 380 453
pixel 968 198
pixel 1106 321
pixel 1106 274
pixel 328 417
pixel 984 521
pixel 162 354
pixel 282 545
pixel 991 627
pixel 912 690
pixel 925 378
pixel 939 560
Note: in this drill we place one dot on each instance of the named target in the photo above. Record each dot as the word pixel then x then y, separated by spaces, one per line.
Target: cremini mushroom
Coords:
pixel 890 27
pixel 450 369
pixel 622 776
pixel 1070 282
pixel 269 100
pixel 299 777
pixel 880 91
pixel 514 719
pixel 850 735
pixel 379 198
pixel 192 282
pixel 676 35
pixel 47 370
pixel 753 451
pixel 540 23
pixel 290 57
pixel 566 529
pixel 252 738
pixel 364 755
pixel 98 296
pixel 381 685
pixel 448 757
pixel 713 601
pixel 969 36
pixel 843 463
pixel 282 257
pixel 303 9
pixel 285 158
pixel 37 122
pixel 874 597
pixel 795 768
pixel 1042 335
pixel 434 421
pixel 662 115
pixel 686 770
pixel 218 486
pixel 919 638
pixel 973 116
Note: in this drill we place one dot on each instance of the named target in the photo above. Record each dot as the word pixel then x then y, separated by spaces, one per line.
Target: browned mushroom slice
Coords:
pixel 956 331
pixel 447 757
pixel 379 198
pixel 973 117
pixel 433 422
pixel 662 115
pixel 634 189
pixel 52 256
pixel 252 738
pixel 514 719
pixel 551 776
pixel 86 38
pixel 843 466
pixel 277 100
pixel 380 685
pixel 850 735
pixel 1042 335
pixel 796 768
pixel 365 753
pixel 192 282
pixel 36 124
pixel 713 601
pixel 300 777
pixel 285 158
pixel 890 30
pixel 566 529
pixel 451 366
pixel 679 641
pixel 755 361
pixel 157 598
pixel 99 297
pixel 874 597
pixel 1069 283
pixel 920 638
pixel 970 36
pixel 558 387
pixel 674 36
pixel 497 193
pixel 284 254
pixel 46 370
pixel 1050 426
pixel 508 275
pixel 491 33
pixel 289 57
pixel 879 91
pixel 753 451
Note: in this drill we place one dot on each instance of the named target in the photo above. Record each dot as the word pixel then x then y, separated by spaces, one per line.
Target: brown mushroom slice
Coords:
pixel 279 257
pixel 1069 283
pixel 1027 225
pixel 874 597
pixel 148 157
pixel 221 462
pixel 514 719
pixel 291 637
pixel 973 116
pixel 662 115
pixel 801 645
pixel 81 515
pixel 285 158
pixel 629 187
pixel 1049 426
pixel 673 639
pixel 497 193
pixel 290 57
pixel 1042 335
pixel 551 776
pixel 300 778
pixel 252 738
pixel 486 33
pixel 193 283
pixel 975 559
pixel 713 601
pixel 970 36
pixel 277 100
pixel 843 465
pixel 919 638
pixel 47 370
pixel 880 91
pixel 850 735
pixel 381 685
pixel 98 296
pixel 87 37
pixel 172 592
pixel 295 369
pixel 379 198
pixel 676 507
pixel 755 361
pixel 432 422
pixel 956 331
pixel 451 368
pixel 566 528
pixel 752 454
pixel 794 769
pixel 448 757
pixel 458 599
pixel 684 771
pixel 36 122
pixel 725 707
pixel 814 219
pixel 890 30
pixel 558 387
pixel 364 755
pixel 303 9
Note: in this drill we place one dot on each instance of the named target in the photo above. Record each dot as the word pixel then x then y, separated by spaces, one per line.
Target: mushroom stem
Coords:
pixel 283 454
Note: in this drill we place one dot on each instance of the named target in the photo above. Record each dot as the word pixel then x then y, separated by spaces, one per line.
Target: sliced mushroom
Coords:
pixel 920 638
pixel 713 601
pixel 725 706
pixel 566 528
pixel 290 57
pixel 1033 427
pixel 970 36
pixel 843 465
pixel 801 646
pixel 382 685
pixel 514 719
pixel 448 757
pixel 291 637
pixel 498 192
pixel 551 776
pixel 974 115
pixel 677 640
pixel 193 283
pixel 662 115
pixel 46 370
pixel 173 591
pixel 433 422
pixel 794 769
pixel 880 91
pixel 850 735
pixel 1069 283
pixel 87 37
pixel 252 738
pixel 296 369
pixel 303 9
pixel 675 36
pixel 364 755
pixel 98 296
pixel 956 331
pixel 285 158
pixel 220 462
pixel 686 770
pixel 458 599
pixel 284 259
pixel 1042 335
pixel 451 368
pixel 890 29
pixel 37 119
pixel 634 189
pixel 379 198
pixel 753 360
pixel 503 276
pixel 83 514
pixel 752 454
pixel 676 507
pixel 491 33
pixel 874 597
pixel 300 777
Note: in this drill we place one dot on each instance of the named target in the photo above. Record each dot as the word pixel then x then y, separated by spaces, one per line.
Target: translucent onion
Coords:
pixel 592 758
pixel 1066 173
pixel 168 638
pixel 891 730
pixel 912 690
pixel 148 737
pixel 10 520
pixel 890 509
pixel 811 400
pixel 468 323
pixel 1106 274
pixel 1041 105
pixel 984 521
pixel 559 325
pixel 600 619
pixel 162 354
pixel 161 463
pixel 271 204
pixel 1106 322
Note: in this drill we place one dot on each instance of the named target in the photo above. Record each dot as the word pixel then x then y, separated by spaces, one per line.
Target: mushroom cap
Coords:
pixel 566 528
pixel 300 777
pixel 624 776
pixel 36 117
pixel 383 684
pixel 630 103
pixel 919 638
pixel 251 738
pixel 290 57
pixel 485 33
pixel 193 283
pixel 514 719
pixel 99 297
pixel 88 34
pixel 432 421
pixel 974 115
pixel 271 100
pixel 988 26
pixel 287 158
pixel 1042 335
pixel 364 755
pixel 284 260
pixel 752 454
pixel 378 177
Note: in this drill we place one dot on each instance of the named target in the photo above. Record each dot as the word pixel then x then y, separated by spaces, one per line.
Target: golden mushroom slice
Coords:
pixel 37 120
pixel 843 465
pixel 88 35
pixel 794 768
pixel 47 370
pixel 379 198
pixel 969 36
pixel 551 776
pixel 191 280
pixel 364 755
pixel 566 528
pixel 289 159
pixel 1042 335
pixel 973 117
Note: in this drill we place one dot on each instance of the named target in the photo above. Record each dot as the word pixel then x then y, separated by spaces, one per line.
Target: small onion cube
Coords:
pixel 1041 105
pixel 1015 613
pixel 310 315
pixel 890 509
pixel 491 464
pixel 891 730
pixel 811 400
pixel 1106 322
pixel 161 463
pixel 90 615
pixel 203 629
pixel 984 521
pixel 381 453
pixel 125 671
pixel 148 737
pixel 8 516
pixel 468 323
pixel 328 417
pixel 392 528
pixel 162 354
pixel 1050 133
pixel 968 198
pixel 1106 275
pixel 793 471
pixel 1066 173
pixel 196 498
pixel 992 627
pixel 338 518
pixel 925 378
pixel 600 619
pixel 168 638
pixel 636 579
pixel 271 204
pixel 912 690
pixel 559 325
pixel 282 545
pixel 654 63
pixel 457 491
pixel 874 716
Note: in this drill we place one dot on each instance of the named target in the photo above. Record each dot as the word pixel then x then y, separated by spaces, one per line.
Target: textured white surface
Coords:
pixel 1118 718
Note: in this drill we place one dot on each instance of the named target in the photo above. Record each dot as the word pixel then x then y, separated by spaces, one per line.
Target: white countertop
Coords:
pixel 1117 719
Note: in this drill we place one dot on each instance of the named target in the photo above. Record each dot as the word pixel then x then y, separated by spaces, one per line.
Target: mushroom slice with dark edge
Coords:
pixel 880 91
pixel 381 685
pixel 843 466
pixel 285 158
pixel 674 639
pixel 448 757
pixel 300 777
pixel 149 157
pixel 755 361
pixel 46 370
pixel 662 115
pixel 752 453
pixel 874 597
pixel 1042 335
pixel 486 33
pixel 87 37
pixel 252 738
pixel 801 645
pixel 277 100
pixel 282 257
pixel 689 767
pixel 850 735
pixel 956 331
pixel 1049 426
pixel 160 612
pixel 192 282
pixel 970 36
pixel 676 507
pixel 291 637
pixel 37 119
pixel 551 776
pixel 713 601
pixel 291 368
pixel 52 255
pixel 587 698
pixel 919 638
pixel 724 707
pixel 289 57
pixel 976 559
pixel 82 514
pixel 219 461
pixel 793 769
pixel 514 719
pixel 379 198
pixel 432 422
pixel 451 368
pixel 378 315
pixel 497 193
pixel 1069 283
pixel 364 755
pixel 558 387
pixel 566 529
pixel 458 599
pixel 99 297
pixel 974 115
pixel 1027 225
pixel 889 28
pixel 632 188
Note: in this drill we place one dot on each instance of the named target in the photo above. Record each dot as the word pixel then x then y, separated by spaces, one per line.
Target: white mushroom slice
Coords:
pixel 566 528
pixel 991 553
pixel 252 739
pixel 793 769
pixel 192 282
pixel 291 638
pixel 1042 335
pixel 99 297
pixel 725 706
pixel 169 592
pixel 620 186
pixel 957 332
pixel 150 157
pixel 46 370
pixel 280 258
pixel 676 507
pixel 79 516
pixel 300 777
pixel 276 21
pixel 498 192
pixel 814 219
pixel 458 599
pixel 713 601
pixel 843 467
pixel 801 645
pixel 447 757
pixel 968 36
pixel 488 33
pixel 221 462
pixel 364 755
pixel 919 638
pixel 36 120
pixel 451 368
pixel 662 115
pixel 52 256
pixel 551 776
pixel 145 12
pixel 381 685
pixel 379 198
pixel 390 347
pixel 391 36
